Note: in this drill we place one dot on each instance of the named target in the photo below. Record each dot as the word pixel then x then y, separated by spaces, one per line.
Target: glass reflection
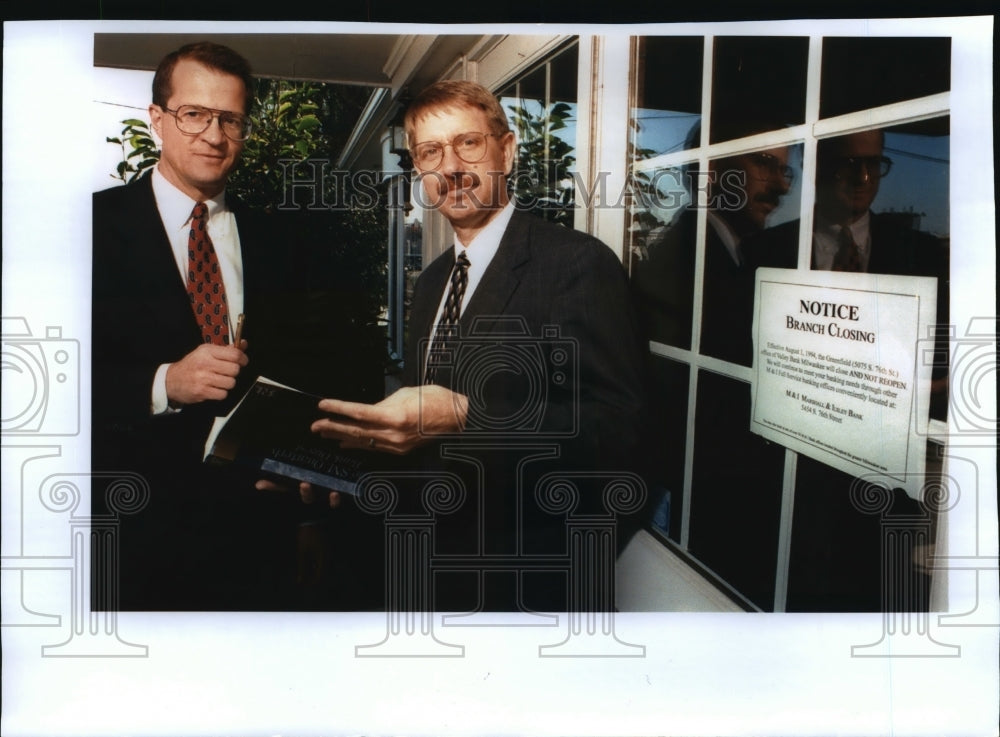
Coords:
pixel 743 195
pixel 541 108
pixel 881 208
pixel 860 73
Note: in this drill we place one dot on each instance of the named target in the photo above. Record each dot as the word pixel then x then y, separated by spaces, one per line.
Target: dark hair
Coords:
pixel 455 93
pixel 212 55
pixel 828 150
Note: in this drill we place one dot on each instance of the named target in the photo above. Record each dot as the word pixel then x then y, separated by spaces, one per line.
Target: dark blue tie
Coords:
pixel 447 328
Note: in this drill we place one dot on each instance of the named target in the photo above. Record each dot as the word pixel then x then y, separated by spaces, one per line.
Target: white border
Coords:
pixel 297 674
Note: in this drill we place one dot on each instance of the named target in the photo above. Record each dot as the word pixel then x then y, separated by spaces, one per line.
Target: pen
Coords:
pixel 239 331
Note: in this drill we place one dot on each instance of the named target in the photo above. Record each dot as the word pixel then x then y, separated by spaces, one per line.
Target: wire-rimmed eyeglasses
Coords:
pixel 469 147
pixel 194 119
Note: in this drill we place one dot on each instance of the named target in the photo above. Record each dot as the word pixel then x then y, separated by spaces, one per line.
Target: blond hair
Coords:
pixel 455 93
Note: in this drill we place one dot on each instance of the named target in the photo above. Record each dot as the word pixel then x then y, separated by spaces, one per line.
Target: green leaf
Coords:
pixel 308 122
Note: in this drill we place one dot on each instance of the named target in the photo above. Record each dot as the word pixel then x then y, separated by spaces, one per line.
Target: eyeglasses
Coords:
pixel 469 147
pixel 194 119
pixel 861 166
pixel 773 167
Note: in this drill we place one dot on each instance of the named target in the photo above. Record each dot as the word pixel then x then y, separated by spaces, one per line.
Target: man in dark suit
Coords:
pixel 742 191
pixel 166 359
pixel 541 373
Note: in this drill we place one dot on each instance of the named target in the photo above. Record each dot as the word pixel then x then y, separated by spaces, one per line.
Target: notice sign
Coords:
pixel 839 373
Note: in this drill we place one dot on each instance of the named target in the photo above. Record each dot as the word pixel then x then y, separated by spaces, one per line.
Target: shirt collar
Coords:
pixel 175 207
pixel 860 230
pixel 487 241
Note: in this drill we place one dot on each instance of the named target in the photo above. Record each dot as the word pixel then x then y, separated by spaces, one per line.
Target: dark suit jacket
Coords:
pixel 203 529
pixel 665 290
pixel 895 249
pixel 142 318
pixel 549 356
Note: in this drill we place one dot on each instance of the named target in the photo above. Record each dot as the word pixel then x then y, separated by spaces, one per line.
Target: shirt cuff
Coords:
pixel 158 401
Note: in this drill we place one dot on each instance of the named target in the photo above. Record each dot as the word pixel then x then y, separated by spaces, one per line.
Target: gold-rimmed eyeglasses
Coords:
pixel 469 147
pixel 194 119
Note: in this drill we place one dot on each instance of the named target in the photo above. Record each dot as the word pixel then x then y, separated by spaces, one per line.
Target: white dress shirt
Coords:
pixel 175 209
pixel 826 241
pixel 486 243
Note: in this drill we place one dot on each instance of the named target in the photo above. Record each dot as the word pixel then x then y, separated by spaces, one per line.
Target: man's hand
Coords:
pixel 399 423
pixel 207 372
pixel 307 492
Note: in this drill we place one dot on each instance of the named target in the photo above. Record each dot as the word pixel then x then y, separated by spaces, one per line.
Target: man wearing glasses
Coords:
pixel 849 236
pixel 741 192
pixel 849 170
pixel 523 357
pixel 176 264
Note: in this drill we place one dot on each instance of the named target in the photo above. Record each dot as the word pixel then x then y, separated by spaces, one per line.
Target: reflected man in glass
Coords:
pixel 741 193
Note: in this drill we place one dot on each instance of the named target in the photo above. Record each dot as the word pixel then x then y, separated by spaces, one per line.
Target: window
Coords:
pixel 718 187
pixel 541 107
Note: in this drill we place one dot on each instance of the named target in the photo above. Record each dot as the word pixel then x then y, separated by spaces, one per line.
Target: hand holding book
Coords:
pixel 405 420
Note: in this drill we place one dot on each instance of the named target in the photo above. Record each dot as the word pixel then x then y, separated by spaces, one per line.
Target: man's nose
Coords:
pixel 213 133
pixel 450 162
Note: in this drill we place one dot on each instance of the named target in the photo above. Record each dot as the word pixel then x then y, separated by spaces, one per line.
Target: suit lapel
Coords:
pixel 154 266
pixel 433 283
pixel 502 276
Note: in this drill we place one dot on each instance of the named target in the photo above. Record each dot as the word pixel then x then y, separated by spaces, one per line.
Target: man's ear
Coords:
pixel 155 119
pixel 509 145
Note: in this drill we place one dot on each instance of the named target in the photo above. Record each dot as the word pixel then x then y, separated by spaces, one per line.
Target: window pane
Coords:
pixel 662 255
pixel 668 104
pixel 665 119
pixel 541 109
pixel 859 73
pixel 736 491
pixel 845 538
pixel 668 410
pixel 747 194
pixel 758 84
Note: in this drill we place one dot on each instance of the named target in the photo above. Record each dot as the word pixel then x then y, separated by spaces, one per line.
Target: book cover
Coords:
pixel 268 430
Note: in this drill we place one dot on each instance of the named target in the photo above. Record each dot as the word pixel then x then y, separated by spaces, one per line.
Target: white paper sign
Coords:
pixel 839 370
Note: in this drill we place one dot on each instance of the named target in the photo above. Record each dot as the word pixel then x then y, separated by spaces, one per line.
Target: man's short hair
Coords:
pixel 212 55
pixel 828 149
pixel 455 93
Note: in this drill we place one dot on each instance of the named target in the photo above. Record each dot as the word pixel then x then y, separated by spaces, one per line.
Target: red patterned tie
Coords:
pixel 205 288
pixel 848 257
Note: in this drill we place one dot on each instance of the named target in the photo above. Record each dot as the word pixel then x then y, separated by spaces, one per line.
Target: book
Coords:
pixel 268 430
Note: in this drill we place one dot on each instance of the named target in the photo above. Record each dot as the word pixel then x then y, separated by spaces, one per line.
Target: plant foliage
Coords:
pixel 542 181
pixel 340 251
